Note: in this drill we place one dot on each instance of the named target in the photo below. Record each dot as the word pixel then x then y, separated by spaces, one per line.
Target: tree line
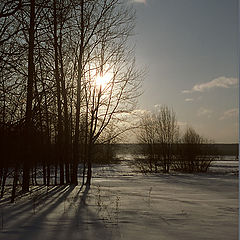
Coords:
pixel 166 149
pixel 68 78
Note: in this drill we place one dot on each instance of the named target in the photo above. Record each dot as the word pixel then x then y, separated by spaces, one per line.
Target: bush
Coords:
pixel 194 153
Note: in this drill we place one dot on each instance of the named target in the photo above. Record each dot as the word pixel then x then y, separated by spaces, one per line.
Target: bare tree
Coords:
pixel 30 82
pixel 8 27
pixel 8 8
pixel 167 135
pixel 147 135
pixel 68 77
pixel 160 132
pixel 194 152
pixel 104 29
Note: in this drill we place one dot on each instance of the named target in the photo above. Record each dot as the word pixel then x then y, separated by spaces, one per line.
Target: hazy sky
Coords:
pixel 190 48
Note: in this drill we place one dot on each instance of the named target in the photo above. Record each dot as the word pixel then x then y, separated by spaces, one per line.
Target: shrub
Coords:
pixel 194 153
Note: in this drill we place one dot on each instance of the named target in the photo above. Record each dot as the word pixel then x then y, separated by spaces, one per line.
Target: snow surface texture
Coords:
pixel 124 204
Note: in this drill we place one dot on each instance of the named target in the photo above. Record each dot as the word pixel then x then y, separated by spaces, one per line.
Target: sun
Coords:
pixel 103 80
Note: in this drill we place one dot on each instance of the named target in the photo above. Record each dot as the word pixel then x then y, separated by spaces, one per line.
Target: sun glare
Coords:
pixel 102 81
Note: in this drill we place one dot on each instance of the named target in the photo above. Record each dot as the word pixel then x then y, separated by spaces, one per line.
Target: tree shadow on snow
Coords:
pixel 83 222
pixel 26 220
pixel 63 212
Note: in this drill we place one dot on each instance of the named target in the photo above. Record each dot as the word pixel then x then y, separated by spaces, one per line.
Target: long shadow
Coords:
pixel 27 205
pixel 64 217
pixel 90 221
pixel 20 195
pixel 36 221
pixel 81 218
pixel 28 215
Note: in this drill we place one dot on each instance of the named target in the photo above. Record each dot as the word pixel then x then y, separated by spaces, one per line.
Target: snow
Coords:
pixel 124 204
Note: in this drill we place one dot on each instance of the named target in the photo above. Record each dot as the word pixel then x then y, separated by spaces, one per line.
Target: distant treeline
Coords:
pixel 216 149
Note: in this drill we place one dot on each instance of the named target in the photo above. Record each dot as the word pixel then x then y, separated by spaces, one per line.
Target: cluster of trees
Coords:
pixel 68 77
pixel 166 149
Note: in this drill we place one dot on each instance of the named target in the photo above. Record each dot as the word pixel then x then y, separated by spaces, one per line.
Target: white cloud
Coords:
pixel 139 112
pixel 157 105
pixel 189 99
pixel 182 124
pixel 204 112
pixel 186 91
pixel 220 82
pixel 140 1
pixel 231 113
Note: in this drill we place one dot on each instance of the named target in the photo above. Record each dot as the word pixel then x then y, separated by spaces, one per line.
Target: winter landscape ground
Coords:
pixel 125 204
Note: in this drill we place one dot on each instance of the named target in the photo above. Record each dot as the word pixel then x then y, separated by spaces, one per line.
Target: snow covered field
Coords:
pixel 124 204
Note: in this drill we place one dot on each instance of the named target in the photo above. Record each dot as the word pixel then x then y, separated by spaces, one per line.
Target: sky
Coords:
pixel 190 51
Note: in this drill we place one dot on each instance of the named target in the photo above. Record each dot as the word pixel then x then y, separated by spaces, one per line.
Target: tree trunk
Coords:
pixel 1 175
pixel 5 172
pixel 83 172
pixel 59 110
pixel 89 170
pixel 61 167
pixel 48 175
pixel 67 171
pixel 89 164
pixel 35 175
pixel 28 116
pixel 55 175
pixel 32 175
pixel 44 173
pixel 66 149
pixel 78 105
pixel 15 179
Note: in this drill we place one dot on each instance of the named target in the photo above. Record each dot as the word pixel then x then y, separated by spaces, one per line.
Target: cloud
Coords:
pixel 139 112
pixel 182 124
pixel 157 105
pixel 204 112
pixel 189 99
pixel 140 1
pixel 186 91
pixel 220 82
pixel 231 113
